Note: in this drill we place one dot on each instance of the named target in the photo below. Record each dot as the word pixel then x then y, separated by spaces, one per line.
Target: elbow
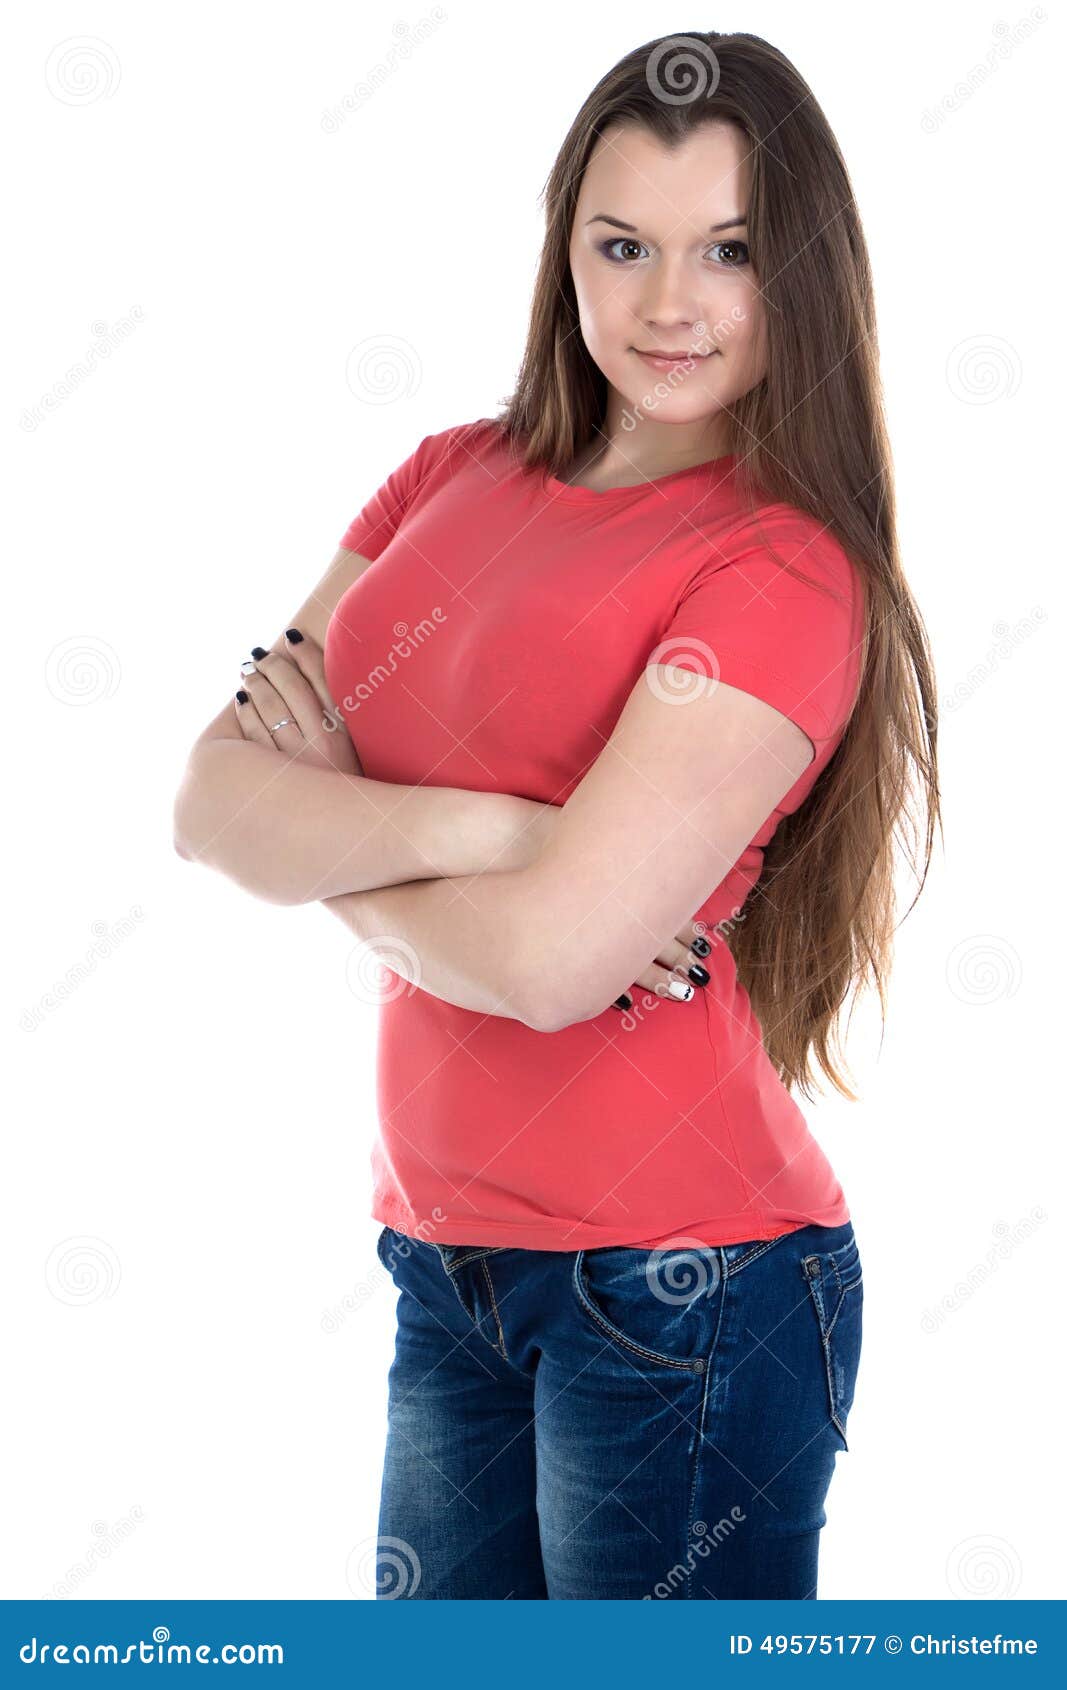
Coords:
pixel 559 997
pixel 554 1017
pixel 554 985
pixel 198 837
pixel 180 825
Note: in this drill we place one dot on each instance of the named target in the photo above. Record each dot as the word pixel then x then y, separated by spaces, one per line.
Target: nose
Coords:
pixel 670 304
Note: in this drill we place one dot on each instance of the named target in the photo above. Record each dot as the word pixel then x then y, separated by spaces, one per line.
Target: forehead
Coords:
pixel 635 176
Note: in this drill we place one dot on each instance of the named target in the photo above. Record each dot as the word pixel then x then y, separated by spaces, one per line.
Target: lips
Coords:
pixel 674 357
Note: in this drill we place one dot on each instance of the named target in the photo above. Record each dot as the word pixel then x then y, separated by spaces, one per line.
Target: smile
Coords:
pixel 668 360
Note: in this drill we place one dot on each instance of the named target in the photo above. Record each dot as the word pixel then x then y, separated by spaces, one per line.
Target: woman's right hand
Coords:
pixel 292 686
pixel 671 966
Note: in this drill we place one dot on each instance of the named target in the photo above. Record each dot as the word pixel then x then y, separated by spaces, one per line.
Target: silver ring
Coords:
pixel 284 723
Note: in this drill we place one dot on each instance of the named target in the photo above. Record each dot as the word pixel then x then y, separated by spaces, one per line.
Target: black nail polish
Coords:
pixel 700 975
pixel 241 697
pixel 258 652
pixel 700 947
pixel 293 635
pixel 623 1002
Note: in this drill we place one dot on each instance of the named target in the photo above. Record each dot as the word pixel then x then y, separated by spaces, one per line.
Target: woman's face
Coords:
pixel 659 262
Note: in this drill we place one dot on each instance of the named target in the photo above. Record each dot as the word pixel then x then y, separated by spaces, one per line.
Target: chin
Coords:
pixel 675 406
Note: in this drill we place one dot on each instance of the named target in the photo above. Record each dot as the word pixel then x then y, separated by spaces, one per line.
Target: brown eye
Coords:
pixel 734 247
pixel 607 247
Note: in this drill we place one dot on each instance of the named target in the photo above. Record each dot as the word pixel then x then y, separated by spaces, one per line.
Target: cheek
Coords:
pixel 606 322
pixel 741 333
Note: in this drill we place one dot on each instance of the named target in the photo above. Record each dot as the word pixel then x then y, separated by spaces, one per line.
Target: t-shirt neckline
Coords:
pixel 580 495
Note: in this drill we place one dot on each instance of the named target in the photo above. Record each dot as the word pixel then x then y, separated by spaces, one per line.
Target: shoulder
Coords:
pixel 778 609
pixel 776 535
pixel 462 440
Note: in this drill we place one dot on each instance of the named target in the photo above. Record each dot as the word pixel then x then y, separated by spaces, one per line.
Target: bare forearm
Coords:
pixel 294 834
pixel 463 940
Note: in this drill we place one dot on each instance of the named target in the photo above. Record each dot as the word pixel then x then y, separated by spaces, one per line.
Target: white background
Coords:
pixel 191 1409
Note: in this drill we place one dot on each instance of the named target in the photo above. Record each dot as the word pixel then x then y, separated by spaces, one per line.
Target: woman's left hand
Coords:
pixel 291 690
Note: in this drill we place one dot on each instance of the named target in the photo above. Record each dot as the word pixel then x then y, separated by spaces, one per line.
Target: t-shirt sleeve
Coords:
pixel 745 620
pixel 371 531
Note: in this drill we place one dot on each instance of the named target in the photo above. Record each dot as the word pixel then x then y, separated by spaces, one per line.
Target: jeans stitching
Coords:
pixel 815 1286
pixel 474 1255
pixel 704 1401
pixel 697 1365
pixel 496 1311
pixel 760 1250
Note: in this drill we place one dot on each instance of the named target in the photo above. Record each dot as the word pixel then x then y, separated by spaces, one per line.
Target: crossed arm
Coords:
pixel 662 815
pixel 656 823
pixel 548 936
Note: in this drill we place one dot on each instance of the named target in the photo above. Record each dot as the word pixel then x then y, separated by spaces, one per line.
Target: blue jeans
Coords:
pixel 615 1423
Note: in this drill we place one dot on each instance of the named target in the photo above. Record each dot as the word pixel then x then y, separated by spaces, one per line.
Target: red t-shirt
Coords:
pixel 492 645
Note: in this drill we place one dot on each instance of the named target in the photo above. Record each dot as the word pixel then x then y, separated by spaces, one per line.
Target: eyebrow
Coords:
pixel 631 228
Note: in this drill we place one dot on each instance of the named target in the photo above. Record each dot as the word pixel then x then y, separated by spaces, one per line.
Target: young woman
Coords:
pixel 640 696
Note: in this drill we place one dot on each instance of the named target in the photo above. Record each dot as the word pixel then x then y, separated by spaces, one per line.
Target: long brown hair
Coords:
pixel 811 434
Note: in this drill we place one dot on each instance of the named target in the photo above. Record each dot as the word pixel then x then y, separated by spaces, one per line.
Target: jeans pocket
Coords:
pixel 660 1305
pixel 392 1247
pixel 835 1284
pixel 455 1256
